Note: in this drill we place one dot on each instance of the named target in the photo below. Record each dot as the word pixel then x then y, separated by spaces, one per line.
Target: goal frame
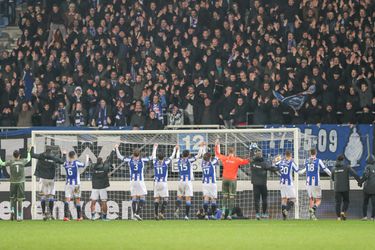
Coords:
pixel 296 144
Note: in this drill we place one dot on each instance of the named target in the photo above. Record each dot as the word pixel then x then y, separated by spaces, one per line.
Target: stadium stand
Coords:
pixel 147 64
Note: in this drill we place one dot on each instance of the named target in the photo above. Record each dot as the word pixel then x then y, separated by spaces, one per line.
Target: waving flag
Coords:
pixel 295 101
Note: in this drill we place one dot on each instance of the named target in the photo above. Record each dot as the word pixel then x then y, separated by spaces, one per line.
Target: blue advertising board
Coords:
pixel 191 141
pixel 354 142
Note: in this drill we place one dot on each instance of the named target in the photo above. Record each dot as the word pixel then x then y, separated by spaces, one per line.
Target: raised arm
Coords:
pixel 109 157
pixel 28 157
pixel 321 164
pixel 84 165
pixel 202 150
pixel 35 156
pixel 119 155
pixel 217 150
pixel 154 150
pixel 178 154
pixel 173 153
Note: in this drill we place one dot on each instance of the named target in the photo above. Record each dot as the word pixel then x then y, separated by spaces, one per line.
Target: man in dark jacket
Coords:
pixel 341 175
pixel 45 171
pixel 153 123
pixel 100 183
pixel 259 167
pixel 368 179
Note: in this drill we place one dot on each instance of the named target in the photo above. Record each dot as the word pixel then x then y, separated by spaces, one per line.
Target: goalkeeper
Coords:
pixel 259 168
pixel 17 183
pixel 231 163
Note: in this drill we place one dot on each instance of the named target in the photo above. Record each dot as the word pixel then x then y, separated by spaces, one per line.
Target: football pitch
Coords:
pixel 241 234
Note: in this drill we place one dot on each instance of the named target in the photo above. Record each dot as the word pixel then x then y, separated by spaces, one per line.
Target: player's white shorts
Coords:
pixel 161 189
pixel 72 191
pixel 210 190
pixel 99 194
pixel 185 188
pixel 287 192
pixel 47 186
pixel 314 191
pixel 138 188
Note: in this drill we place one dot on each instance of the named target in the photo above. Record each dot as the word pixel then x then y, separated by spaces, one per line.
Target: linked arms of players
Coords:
pixel 45 157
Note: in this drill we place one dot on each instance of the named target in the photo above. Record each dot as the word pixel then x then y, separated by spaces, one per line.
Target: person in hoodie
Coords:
pixel 341 177
pixel 100 183
pixel 368 179
pixel 259 167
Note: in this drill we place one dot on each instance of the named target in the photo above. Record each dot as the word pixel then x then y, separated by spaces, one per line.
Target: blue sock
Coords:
pixel 51 202
pixel 134 205
pixel 78 211
pixel 187 208
pixel 213 208
pixel 43 205
pixel 205 207
pixel 156 206
pixel 66 209
pixel 178 203
pixel 141 203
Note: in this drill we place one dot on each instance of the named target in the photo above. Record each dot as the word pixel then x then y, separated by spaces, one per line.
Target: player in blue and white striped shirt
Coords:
pixel 161 192
pixel 209 186
pixel 286 167
pixel 138 190
pixel 73 170
pixel 185 186
pixel 313 165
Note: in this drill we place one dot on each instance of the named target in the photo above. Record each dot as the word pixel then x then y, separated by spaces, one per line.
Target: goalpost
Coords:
pixel 100 143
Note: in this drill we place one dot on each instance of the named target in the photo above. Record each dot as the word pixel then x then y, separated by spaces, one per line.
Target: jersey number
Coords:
pixel 311 167
pixel 206 171
pixel 159 170
pixel 184 167
pixel 284 170
pixel 70 171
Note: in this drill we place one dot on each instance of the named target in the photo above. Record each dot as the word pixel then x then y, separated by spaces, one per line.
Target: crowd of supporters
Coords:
pixel 149 63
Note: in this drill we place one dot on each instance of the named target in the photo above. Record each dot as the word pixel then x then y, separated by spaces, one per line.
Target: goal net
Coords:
pixel 96 144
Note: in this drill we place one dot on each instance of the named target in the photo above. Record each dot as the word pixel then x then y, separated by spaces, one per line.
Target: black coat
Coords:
pixel 276 115
pixel 259 168
pixel 341 176
pixel 47 164
pixel 349 116
pixel 153 124
pixel 369 178
pixel 329 118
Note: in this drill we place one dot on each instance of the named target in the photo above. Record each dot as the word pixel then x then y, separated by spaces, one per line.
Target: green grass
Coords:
pixel 246 234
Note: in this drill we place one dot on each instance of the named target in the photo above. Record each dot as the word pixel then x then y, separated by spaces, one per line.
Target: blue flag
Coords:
pixel 295 101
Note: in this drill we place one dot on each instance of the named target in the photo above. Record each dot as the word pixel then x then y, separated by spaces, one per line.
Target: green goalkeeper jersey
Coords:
pixel 17 169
